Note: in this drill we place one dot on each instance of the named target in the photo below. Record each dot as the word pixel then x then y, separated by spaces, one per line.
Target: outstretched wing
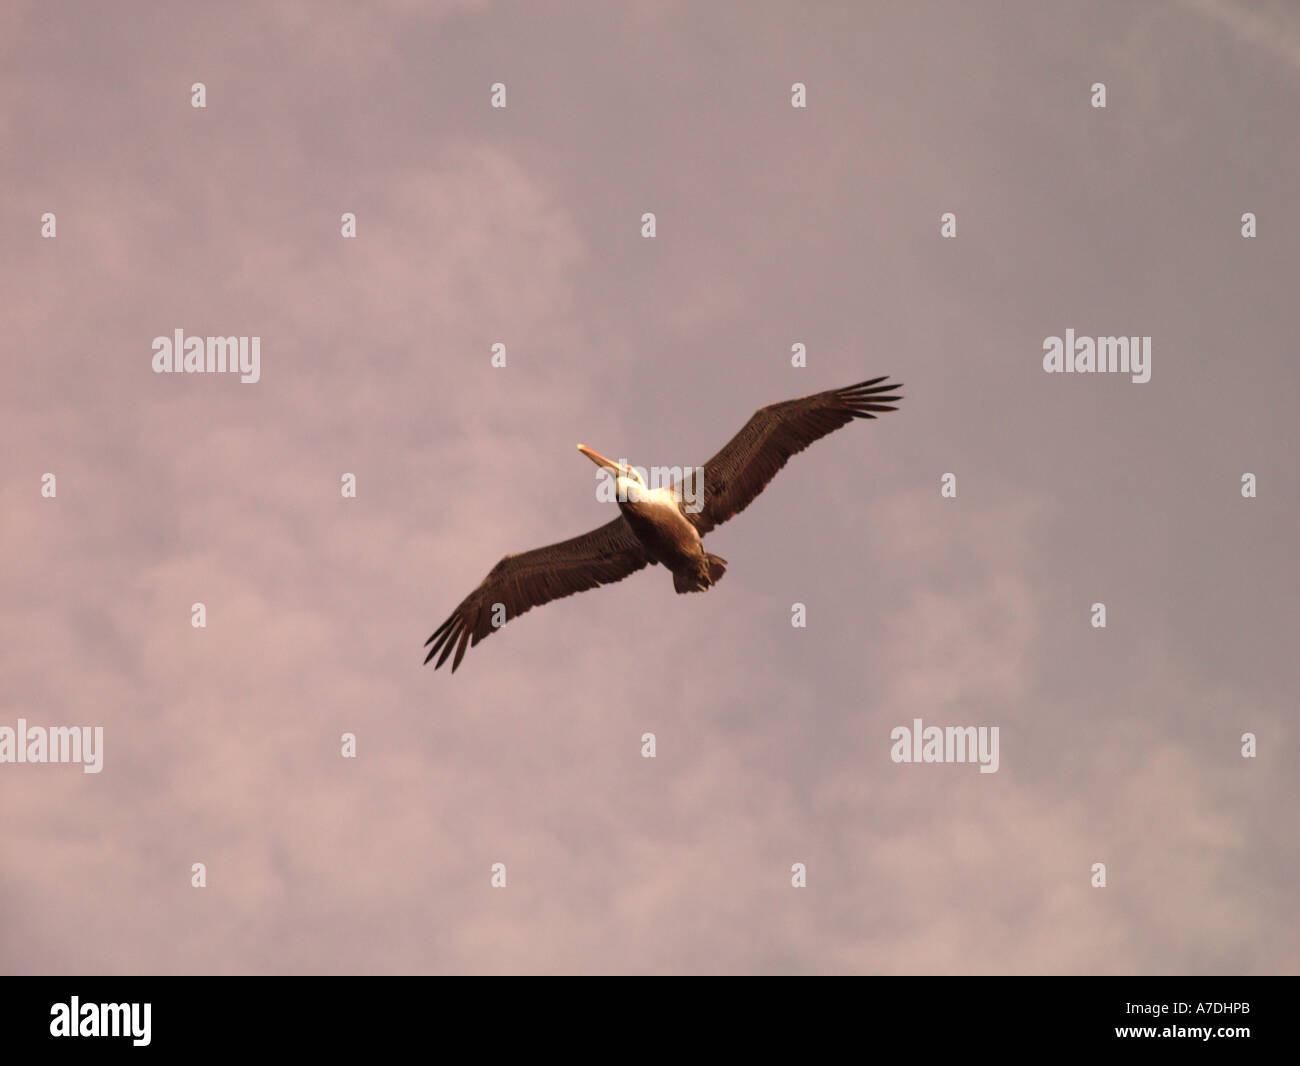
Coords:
pixel 738 473
pixel 530 579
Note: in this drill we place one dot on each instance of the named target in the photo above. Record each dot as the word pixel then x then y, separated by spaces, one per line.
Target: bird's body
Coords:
pixel 658 525
pixel 657 518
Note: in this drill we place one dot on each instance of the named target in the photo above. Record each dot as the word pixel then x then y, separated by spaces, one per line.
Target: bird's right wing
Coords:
pixel 530 579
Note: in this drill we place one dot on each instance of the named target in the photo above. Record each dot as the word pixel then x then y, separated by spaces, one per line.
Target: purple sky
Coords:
pixel 775 226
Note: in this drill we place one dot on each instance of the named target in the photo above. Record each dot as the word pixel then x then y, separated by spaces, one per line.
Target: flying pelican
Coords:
pixel 658 525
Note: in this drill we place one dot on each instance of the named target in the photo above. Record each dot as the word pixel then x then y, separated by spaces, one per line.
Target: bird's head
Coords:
pixel 627 477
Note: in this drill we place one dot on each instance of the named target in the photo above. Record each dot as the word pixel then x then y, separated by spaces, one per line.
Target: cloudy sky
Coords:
pixel 775 226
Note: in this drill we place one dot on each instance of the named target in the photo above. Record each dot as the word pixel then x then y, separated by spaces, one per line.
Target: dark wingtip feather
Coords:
pixel 440 629
pixel 460 649
pixel 447 648
pixel 869 396
pixel 438 639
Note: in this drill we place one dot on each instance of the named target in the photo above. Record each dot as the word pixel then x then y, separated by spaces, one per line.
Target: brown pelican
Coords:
pixel 658 525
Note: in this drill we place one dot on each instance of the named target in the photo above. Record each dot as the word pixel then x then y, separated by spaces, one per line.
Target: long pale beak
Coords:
pixel 599 459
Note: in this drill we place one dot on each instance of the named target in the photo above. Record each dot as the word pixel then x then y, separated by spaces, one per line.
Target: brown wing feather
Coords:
pixel 738 473
pixel 530 579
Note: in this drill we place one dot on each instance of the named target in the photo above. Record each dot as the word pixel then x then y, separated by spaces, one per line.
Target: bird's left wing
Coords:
pixel 738 473
pixel 530 579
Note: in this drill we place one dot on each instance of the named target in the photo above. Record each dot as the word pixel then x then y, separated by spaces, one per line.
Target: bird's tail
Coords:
pixel 692 580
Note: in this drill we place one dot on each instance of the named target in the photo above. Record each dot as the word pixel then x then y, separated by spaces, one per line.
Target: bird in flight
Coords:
pixel 658 525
